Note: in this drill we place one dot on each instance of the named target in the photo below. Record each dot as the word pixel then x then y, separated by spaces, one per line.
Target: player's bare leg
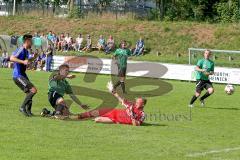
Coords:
pixel 209 92
pixel 103 120
pixel 62 111
pixel 91 114
pixel 122 83
pixel 29 97
pixel 194 98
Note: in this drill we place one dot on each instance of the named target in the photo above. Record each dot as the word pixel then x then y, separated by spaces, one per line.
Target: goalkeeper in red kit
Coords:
pixel 133 113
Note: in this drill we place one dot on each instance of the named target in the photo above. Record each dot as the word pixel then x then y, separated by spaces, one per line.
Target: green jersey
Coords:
pixel 59 86
pixel 122 56
pixel 207 65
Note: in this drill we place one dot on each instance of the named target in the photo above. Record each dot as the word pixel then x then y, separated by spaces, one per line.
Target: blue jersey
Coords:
pixel 19 70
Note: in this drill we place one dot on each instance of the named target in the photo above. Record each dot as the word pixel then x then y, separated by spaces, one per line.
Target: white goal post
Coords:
pixel 190 50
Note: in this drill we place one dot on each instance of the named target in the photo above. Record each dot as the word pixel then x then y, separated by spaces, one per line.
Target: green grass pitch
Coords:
pixel 211 134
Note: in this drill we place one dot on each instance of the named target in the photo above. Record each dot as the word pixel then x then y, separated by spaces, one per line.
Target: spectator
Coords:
pixel 43 36
pixel 61 42
pixel 78 43
pixel 139 47
pixel 110 45
pixel 35 62
pixel 41 60
pixel 5 59
pixel 49 57
pixel 88 46
pixel 68 42
pixel 54 40
pixel 36 34
pixel 49 36
pixel 101 43
pixel 30 66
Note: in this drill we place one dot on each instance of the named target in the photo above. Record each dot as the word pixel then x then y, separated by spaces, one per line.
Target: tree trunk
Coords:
pixel 161 6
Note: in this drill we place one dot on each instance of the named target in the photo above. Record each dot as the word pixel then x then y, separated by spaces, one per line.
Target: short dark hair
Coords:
pixel 26 37
pixel 123 41
pixel 144 101
pixel 63 66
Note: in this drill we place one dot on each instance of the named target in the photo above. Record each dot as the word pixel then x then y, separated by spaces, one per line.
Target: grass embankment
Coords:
pixel 170 39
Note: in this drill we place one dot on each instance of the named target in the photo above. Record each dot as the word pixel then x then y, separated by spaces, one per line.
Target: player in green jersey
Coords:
pixel 204 68
pixel 121 55
pixel 57 87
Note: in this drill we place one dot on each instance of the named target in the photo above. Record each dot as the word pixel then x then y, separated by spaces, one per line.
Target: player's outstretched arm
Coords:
pixel 71 76
pixel 114 93
pixel 15 59
pixel 76 100
pixel 119 98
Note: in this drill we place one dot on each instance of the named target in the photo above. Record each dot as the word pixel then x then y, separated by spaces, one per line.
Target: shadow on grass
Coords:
pixel 76 120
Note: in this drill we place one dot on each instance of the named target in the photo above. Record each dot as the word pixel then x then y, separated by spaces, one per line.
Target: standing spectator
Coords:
pixel 36 35
pixel 139 47
pixel 43 36
pixel 41 61
pixel 5 59
pixel 54 40
pixel 61 42
pixel 110 45
pixel 78 43
pixel 68 42
pixel 30 66
pixel 88 46
pixel 101 43
pixel 49 36
pixel 49 57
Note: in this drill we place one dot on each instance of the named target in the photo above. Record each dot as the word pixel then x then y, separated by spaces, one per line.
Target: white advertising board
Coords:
pixel 145 69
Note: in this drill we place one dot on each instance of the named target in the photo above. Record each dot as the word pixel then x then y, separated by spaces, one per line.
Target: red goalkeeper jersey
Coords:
pixel 125 116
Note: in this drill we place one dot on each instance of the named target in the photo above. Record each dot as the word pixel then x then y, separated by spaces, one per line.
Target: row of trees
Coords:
pixel 201 10
pixel 198 10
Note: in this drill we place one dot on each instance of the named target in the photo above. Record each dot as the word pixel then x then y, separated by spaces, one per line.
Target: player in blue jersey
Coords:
pixel 21 59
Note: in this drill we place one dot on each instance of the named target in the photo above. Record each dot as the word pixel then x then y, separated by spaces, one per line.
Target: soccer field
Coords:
pixel 171 131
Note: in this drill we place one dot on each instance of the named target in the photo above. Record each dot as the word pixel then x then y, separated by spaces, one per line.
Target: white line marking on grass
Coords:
pixel 213 152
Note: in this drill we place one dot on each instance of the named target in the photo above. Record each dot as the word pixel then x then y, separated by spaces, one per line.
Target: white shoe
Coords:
pixel 191 105
pixel 202 103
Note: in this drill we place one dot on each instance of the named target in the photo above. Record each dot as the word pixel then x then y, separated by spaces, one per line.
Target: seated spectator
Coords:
pixel 61 42
pixel 68 42
pixel 101 43
pixel 78 43
pixel 41 60
pixel 110 45
pixel 139 48
pixel 88 46
pixel 5 59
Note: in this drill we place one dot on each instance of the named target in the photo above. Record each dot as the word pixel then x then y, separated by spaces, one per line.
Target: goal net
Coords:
pixel 226 58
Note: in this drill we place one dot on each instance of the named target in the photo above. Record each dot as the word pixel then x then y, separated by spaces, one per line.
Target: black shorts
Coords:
pixel 53 97
pixel 203 84
pixel 23 83
pixel 122 72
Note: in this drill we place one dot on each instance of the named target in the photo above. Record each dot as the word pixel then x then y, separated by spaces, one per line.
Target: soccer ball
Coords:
pixel 229 89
